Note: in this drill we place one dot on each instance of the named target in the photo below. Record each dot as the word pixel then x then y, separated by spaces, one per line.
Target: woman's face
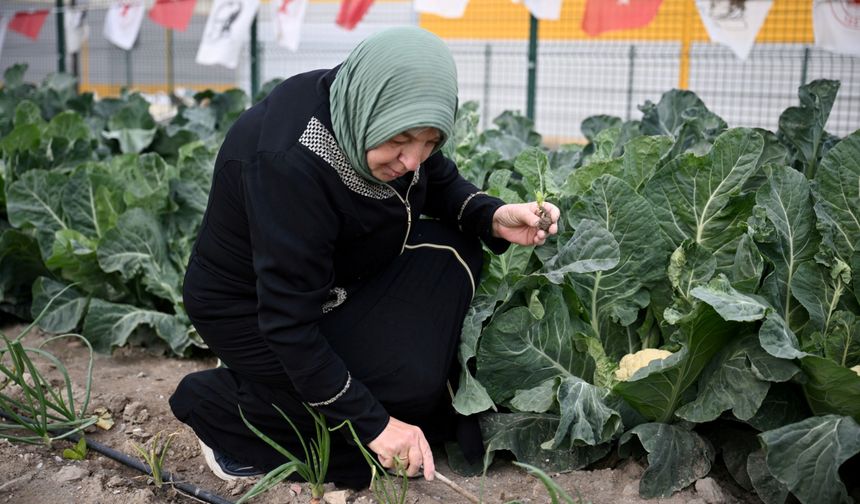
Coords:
pixel 402 153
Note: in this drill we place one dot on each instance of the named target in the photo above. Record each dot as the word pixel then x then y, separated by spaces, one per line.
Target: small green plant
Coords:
pixel 30 403
pixel 540 193
pixel 556 493
pixel 76 452
pixel 312 469
pixel 386 487
pixel 154 454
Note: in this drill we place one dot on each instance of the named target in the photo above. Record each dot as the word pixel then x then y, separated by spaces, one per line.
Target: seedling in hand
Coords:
pixel 545 219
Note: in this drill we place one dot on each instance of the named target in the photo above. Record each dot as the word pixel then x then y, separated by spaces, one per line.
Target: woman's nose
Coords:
pixel 410 157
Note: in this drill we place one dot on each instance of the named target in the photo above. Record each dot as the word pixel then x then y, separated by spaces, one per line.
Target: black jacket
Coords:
pixel 289 222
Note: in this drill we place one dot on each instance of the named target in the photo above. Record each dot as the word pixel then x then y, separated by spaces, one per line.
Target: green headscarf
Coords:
pixel 395 80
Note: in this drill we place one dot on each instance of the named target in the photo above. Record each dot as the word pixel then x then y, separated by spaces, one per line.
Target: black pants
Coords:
pixel 398 334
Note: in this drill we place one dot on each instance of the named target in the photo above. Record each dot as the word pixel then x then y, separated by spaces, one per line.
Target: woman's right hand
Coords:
pixel 405 442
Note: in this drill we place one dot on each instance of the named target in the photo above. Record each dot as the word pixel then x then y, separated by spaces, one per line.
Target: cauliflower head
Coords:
pixel 631 363
pixel 856 369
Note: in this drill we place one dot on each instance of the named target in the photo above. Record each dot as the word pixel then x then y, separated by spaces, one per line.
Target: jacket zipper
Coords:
pixel 406 204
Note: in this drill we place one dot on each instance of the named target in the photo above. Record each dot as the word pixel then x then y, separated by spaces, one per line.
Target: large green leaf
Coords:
pixel 803 126
pixel 523 433
pixel 806 456
pixel 778 339
pixel 676 457
pixel 592 248
pixel 66 306
pixel 657 390
pixel 137 246
pixel 108 325
pixel 699 198
pixel 837 197
pixel 831 388
pixel 615 296
pixel 841 342
pixel 471 396
pixel 519 352
pixel 642 156
pixel 90 200
pixel 537 399
pixel 682 115
pixel 769 489
pixel 585 417
pixel 132 126
pixel 34 201
pixel 736 379
pixel 729 303
pixel 819 290
pixel 146 179
pixel 748 265
pixel 791 238
pixel 690 266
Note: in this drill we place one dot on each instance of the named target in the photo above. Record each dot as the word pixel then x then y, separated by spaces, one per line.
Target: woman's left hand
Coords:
pixel 518 223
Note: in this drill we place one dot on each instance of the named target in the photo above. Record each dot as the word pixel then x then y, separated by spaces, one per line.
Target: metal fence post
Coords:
pixel 255 67
pixel 630 77
pixel 804 67
pixel 61 37
pixel 171 84
pixel 530 98
pixel 485 106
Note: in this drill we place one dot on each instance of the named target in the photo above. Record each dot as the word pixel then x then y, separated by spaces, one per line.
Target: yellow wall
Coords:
pixel 787 21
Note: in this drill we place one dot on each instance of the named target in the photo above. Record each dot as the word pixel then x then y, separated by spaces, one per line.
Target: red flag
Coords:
pixel 175 14
pixel 28 24
pixel 608 15
pixel 351 12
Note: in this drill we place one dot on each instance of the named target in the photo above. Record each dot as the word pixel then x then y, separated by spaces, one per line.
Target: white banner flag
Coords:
pixel 4 22
pixel 289 15
pixel 227 29
pixel 732 25
pixel 549 10
pixel 122 22
pixel 76 29
pixel 837 26
pixel 451 9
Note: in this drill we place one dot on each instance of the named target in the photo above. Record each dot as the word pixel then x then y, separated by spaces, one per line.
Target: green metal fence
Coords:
pixel 506 60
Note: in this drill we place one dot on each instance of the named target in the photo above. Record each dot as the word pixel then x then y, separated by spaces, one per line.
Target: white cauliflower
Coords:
pixel 631 363
pixel 856 369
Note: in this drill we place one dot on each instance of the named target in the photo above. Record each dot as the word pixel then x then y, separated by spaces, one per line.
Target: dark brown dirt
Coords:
pixel 134 386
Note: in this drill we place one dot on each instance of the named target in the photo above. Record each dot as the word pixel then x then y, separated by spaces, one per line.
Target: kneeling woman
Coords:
pixel 314 278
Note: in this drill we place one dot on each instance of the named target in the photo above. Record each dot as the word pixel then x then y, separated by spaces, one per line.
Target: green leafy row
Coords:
pixel 736 249
pixel 100 196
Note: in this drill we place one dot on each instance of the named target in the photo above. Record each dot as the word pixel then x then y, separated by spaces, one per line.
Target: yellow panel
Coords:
pixel 788 21
pixel 104 90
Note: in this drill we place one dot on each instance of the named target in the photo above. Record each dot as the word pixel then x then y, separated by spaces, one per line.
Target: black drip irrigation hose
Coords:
pixel 184 487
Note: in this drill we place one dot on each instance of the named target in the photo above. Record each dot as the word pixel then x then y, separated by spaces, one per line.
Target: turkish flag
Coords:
pixel 607 15
pixel 28 24
pixel 351 12
pixel 175 14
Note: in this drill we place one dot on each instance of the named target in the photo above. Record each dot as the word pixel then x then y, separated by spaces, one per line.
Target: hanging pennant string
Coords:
pixel 53 9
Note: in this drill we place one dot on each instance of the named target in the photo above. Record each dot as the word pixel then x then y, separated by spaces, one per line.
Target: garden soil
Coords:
pixel 134 385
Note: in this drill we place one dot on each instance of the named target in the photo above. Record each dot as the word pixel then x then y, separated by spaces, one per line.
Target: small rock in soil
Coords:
pixel 116 481
pixel 336 497
pixel 135 412
pixel 710 491
pixel 70 473
pixel 296 489
pixel 115 403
